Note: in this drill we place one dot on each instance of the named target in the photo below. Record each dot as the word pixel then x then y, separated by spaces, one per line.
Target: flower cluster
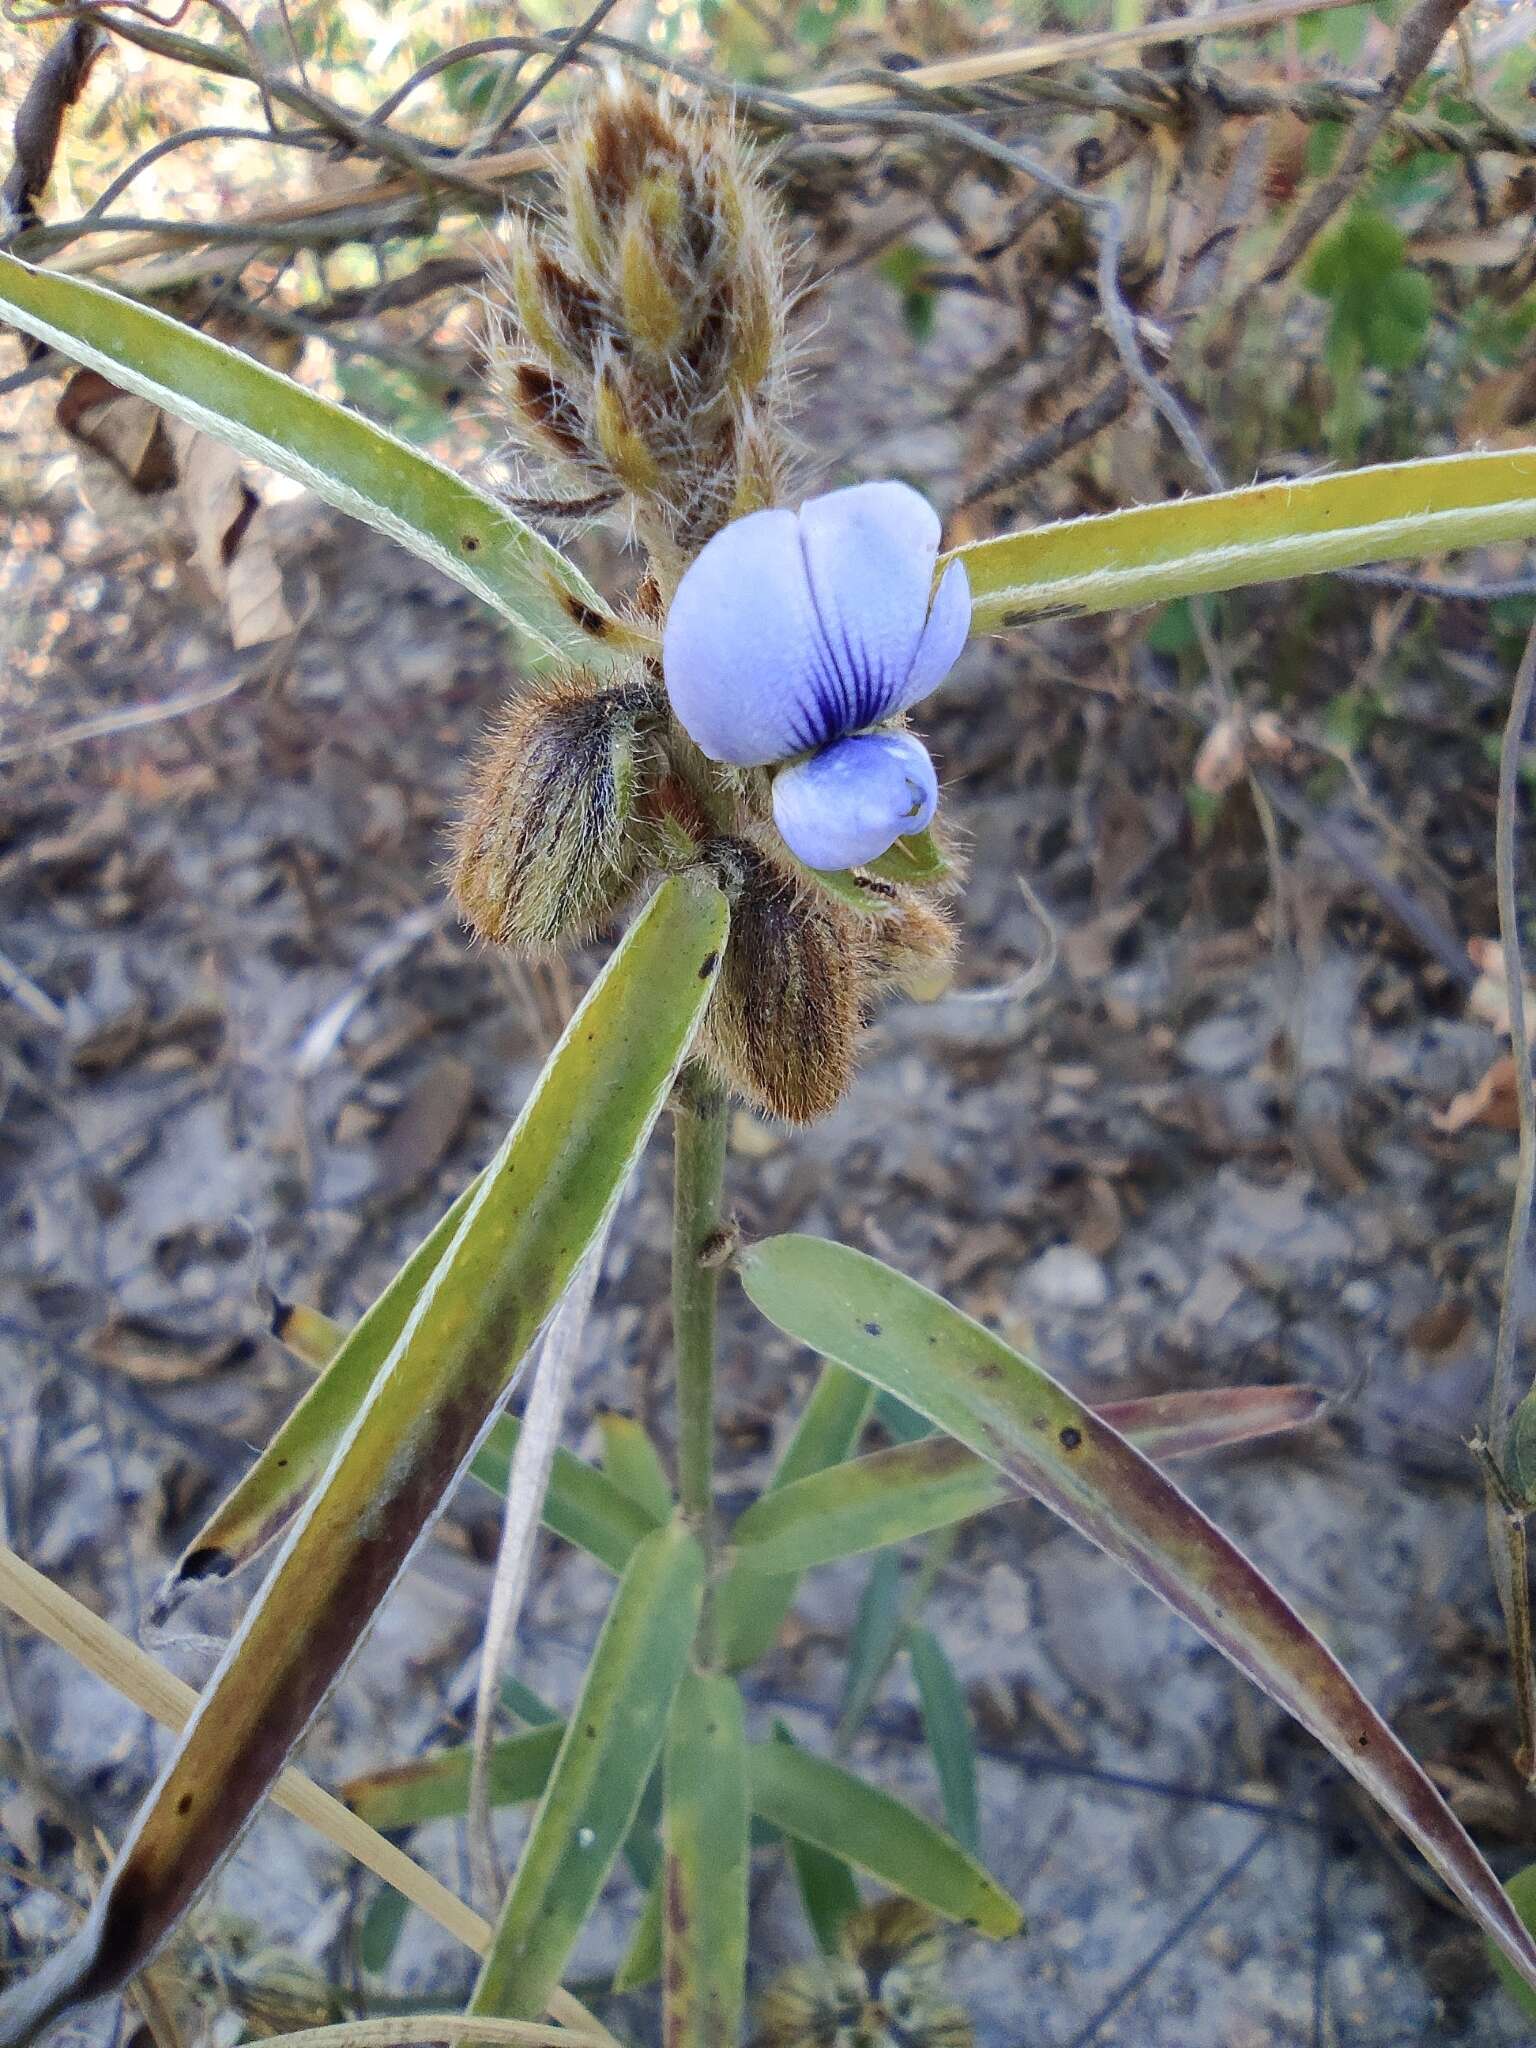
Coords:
pixel 644 345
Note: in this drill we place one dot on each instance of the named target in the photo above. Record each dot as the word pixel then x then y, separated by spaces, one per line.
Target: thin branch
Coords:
pixel 1052 442
pixel 569 47
pixel 1421 34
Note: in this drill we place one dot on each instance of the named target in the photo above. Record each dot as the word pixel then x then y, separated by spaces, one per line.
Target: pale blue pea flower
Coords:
pixel 793 634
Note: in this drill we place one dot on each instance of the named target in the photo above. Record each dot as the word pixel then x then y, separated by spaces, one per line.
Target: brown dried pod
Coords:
pixel 553 840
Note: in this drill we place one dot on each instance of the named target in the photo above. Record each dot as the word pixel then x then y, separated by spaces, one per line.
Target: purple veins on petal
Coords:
pixel 853 800
pixel 791 630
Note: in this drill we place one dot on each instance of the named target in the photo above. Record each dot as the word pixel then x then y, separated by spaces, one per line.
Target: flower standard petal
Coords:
pixel 853 800
pixel 869 556
pixel 743 653
pixel 949 624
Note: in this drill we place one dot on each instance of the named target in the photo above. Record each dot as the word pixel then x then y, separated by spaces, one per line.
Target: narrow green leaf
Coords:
pixel 820 1802
pixel 611 1743
pixel 383 1924
pixel 641 1962
pixel 903 1425
pixel 541 1203
pixel 877 1630
pixel 1522 1891
pixel 1152 553
pixel 706 1814
pixel 437 1787
pixel 933 1481
pixel 523 1701
pixel 630 1460
pixel 968 1381
pixel 828 1889
pixel 581 1504
pixel 947 1725
pixel 344 458
pixel 751 1610
pixel 270 1493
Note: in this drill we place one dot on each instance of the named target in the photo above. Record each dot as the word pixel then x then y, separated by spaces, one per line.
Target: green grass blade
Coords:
pixel 751 1610
pixel 1152 553
pixel 969 1382
pixel 344 458
pixel 821 1803
pixel 707 1811
pixel 631 1462
pixel 542 1201
pixel 892 1495
pixel 437 1787
pixel 947 1725
pixel 611 1744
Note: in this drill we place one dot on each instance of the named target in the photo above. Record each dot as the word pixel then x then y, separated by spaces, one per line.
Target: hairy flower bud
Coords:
pixel 650 309
pixel 620 433
pixel 913 949
pixel 551 843
pixel 784 1022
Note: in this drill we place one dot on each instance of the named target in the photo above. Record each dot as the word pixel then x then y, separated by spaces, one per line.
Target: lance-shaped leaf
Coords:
pixel 437 1787
pixel 640 1963
pixel 912 1488
pixel 1522 1891
pixel 266 1499
pixel 969 1382
pixel 947 1725
pixel 344 458
pixel 1151 553
pixel 631 1463
pixel 542 1201
pixel 611 1744
pixel 706 1813
pixel 751 1609
pixel 582 1504
pixel 827 1888
pixel 817 1801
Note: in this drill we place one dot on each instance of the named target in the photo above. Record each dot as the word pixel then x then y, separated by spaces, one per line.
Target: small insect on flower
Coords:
pixel 796 637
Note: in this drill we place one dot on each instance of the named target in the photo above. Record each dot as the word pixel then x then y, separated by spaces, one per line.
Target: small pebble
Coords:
pixel 1065 1277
